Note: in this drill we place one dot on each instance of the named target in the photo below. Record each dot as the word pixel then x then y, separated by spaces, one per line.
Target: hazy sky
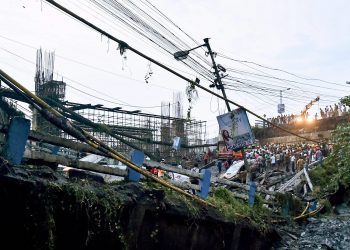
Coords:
pixel 308 38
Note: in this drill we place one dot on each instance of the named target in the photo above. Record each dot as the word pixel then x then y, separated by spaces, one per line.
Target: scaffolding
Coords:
pixel 161 128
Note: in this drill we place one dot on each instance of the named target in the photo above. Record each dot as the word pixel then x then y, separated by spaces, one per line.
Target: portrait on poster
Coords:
pixel 235 129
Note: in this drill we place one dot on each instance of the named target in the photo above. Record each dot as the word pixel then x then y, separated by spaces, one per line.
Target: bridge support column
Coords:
pixel 16 139
pixel 137 157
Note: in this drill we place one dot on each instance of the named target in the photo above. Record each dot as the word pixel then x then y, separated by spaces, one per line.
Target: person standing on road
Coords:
pixel 194 180
pixel 273 161
pixel 318 154
pixel 292 162
pixel 206 158
pixel 219 165
pixel 300 163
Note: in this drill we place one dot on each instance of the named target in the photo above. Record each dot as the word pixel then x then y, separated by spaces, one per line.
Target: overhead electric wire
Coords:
pixel 286 80
pixel 241 80
pixel 60 121
pixel 180 41
pixel 263 92
pixel 151 45
pixel 276 69
pixel 162 41
pixel 133 79
pixel 84 92
pixel 283 80
pixel 172 22
pixel 97 68
pixel 126 46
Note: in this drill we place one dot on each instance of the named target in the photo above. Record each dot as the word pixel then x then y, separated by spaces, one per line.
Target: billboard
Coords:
pixel 235 129
pixel 280 108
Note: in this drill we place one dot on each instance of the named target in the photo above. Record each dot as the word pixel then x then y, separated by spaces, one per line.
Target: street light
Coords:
pixel 182 54
pixel 280 106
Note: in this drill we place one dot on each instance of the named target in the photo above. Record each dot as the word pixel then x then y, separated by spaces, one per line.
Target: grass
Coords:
pixel 238 210
pixel 335 171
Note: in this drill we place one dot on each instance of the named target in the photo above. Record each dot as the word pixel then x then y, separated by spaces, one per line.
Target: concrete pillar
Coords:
pixel 16 139
pixel 137 157
pixel 204 184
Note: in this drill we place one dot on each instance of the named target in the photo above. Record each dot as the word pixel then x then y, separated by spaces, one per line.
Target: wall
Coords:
pixel 317 136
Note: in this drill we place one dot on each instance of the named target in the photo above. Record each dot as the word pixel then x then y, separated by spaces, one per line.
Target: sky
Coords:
pixel 308 39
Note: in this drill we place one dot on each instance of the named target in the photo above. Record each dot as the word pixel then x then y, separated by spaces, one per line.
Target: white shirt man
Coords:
pixel 273 161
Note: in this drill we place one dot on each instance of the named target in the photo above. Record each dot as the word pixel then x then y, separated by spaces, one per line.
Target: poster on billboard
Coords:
pixel 235 129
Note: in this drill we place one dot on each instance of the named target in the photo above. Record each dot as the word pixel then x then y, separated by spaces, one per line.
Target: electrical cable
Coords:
pixel 286 80
pixel 276 69
pixel 123 45
pixel 86 93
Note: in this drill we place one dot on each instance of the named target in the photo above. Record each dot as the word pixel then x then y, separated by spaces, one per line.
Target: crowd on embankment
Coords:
pixel 328 112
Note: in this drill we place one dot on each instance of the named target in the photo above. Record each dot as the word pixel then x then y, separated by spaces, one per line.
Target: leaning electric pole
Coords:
pixel 218 84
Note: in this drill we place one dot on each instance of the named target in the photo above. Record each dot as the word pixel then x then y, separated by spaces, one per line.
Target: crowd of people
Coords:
pixel 335 110
pixel 283 119
pixel 330 111
pixel 289 158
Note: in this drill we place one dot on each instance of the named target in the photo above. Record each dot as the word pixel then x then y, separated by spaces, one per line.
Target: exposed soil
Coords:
pixel 42 209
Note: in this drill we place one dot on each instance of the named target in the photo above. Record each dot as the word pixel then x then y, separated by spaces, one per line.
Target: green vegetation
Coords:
pixel 223 200
pixel 335 171
pixel 237 210
pixel 175 198
pixel 98 205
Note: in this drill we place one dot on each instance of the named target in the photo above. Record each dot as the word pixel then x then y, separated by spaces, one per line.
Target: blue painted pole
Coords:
pixel 204 184
pixel 16 139
pixel 137 157
pixel 251 194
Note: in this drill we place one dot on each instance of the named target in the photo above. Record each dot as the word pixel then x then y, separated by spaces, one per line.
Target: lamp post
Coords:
pixel 280 106
pixel 181 55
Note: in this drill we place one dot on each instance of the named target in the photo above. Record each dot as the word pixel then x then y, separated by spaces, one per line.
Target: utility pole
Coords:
pixel 219 85
pixel 218 81
pixel 280 96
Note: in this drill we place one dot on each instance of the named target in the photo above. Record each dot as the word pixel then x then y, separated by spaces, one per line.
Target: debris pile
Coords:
pixel 326 233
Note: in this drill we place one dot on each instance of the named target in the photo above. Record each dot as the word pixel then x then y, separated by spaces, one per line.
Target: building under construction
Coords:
pixel 150 132
pixel 46 87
